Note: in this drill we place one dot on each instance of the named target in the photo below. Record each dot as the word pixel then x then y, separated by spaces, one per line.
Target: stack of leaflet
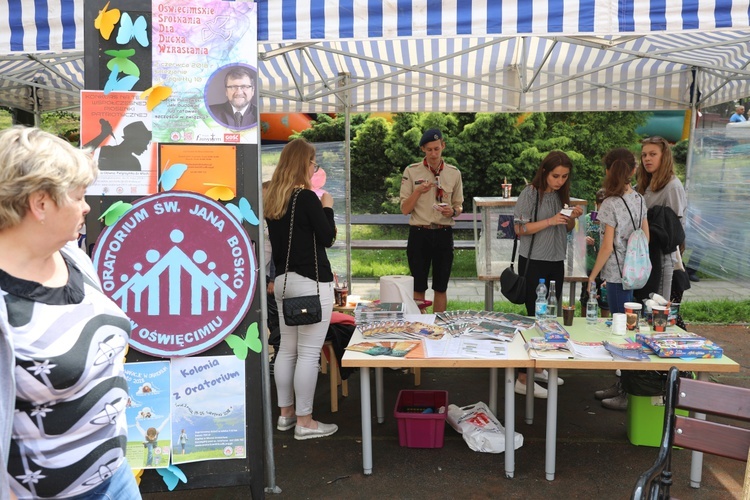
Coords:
pixel 680 344
pixel 401 330
pixel 487 324
pixel 378 311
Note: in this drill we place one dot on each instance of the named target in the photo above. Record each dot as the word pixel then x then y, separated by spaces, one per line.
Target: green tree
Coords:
pixel 370 167
pixel 331 129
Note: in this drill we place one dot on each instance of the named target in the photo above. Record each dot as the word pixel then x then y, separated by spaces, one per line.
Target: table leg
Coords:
pixel 379 395
pixel 364 390
pixel 489 295
pixel 493 391
pixel 696 462
pixel 551 439
pixel 529 418
pixel 510 422
pixel 572 297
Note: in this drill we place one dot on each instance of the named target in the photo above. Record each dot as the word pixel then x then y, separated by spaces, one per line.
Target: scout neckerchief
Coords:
pixel 436 173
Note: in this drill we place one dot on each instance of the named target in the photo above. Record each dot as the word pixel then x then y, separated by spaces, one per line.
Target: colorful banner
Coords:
pixel 181 266
pixel 208 408
pixel 117 127
pixel 206 52
pixel 147 413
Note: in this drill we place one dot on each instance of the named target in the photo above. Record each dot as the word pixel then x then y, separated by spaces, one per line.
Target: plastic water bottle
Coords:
pixel 540 307
pixel 592 306
pixel 552 301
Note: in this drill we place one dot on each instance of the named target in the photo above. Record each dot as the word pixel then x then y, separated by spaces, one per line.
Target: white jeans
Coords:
pixel 296 367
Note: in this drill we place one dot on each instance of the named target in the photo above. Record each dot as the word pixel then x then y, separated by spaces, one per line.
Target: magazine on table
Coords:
pixel 630 351
pixel 492 330
pixel 538 348
pixel 401 330
pixel 461 347
pixel 385 348
pixel 589 350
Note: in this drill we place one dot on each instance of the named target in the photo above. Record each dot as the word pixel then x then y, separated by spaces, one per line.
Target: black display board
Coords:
pixel 209 474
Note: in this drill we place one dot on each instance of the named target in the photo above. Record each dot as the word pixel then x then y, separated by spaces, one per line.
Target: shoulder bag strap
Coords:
pixel 289 250
pixel 614 242
pixel 531 246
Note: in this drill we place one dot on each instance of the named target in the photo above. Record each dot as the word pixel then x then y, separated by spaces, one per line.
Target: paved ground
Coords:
pixel 473 290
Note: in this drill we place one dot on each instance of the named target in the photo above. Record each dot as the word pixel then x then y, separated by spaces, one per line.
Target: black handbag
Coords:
pixel 512 285
pixel 305 310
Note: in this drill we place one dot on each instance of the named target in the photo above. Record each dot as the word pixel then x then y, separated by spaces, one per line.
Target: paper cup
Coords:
pixel 660 318
pixel 633 313
pixel 619 324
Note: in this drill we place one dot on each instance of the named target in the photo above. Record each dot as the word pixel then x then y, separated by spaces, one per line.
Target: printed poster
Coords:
pixel 208 408
pixel 206 52
pixel 118 129
pixel 147 413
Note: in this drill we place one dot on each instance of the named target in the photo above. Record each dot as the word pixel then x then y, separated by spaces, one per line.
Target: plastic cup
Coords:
pixel 569 313
pixel 661 318
pixel 340 294
pixel 506 190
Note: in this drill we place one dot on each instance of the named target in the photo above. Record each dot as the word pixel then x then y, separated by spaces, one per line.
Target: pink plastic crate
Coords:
pixel 421 430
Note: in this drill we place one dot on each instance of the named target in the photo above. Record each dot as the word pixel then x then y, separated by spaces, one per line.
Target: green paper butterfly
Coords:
pixel 251 342
pixel 114 212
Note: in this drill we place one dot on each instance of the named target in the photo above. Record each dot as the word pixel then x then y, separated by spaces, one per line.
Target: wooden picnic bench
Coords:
pixel 463 221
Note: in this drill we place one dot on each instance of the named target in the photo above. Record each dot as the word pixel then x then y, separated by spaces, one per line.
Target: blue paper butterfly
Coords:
pixel 244 211
pixel 123 84
pixel 172 475
pixel 170 176
pixel 129 30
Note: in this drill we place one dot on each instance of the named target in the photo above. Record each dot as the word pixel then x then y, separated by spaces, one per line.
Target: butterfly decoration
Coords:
pixel 130 29
pixel 137 473
pixel 172 475
pixel 171 175
pixel 243 211
pixel 155 95
pixel 219 192
pixel 251 342
pixel 123 84
pixel 106 20
pixel 114 212
pixel 121 59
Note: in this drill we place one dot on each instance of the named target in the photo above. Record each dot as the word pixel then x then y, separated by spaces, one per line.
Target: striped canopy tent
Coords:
pixel 435 55
pixel 41 54
pixel 501 56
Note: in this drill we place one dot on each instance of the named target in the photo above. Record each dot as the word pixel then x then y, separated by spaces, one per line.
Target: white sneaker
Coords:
pixel 539 391
pixel 543 376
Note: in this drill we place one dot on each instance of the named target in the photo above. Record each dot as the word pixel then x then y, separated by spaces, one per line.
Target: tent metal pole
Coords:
pixel 270 460
pixel 691 135
pixel 343 81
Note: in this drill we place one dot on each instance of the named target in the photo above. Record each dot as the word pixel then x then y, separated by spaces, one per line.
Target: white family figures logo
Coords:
pixel 182 268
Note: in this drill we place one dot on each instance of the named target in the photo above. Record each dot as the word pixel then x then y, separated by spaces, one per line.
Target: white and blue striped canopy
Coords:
pixel 437 55
pixel 500 55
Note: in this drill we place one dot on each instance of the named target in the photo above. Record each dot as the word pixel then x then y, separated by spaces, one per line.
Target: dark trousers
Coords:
pixel 539 269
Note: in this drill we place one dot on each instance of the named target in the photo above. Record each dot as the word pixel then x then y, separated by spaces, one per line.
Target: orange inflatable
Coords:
pixel 277 127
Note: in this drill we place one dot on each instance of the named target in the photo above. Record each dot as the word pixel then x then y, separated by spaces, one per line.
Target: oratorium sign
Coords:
pixel 182 268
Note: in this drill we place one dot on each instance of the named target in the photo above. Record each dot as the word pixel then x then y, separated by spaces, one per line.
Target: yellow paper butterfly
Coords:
pixel 156 95
pixel 106 20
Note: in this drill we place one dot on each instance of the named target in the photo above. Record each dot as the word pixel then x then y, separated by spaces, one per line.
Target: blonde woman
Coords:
pixel 296 366
pixel 62 402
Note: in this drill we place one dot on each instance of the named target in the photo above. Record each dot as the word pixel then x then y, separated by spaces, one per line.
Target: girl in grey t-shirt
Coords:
pixel 622 212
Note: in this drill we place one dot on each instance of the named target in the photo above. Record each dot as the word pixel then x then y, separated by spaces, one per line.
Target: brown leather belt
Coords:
pixel 434 226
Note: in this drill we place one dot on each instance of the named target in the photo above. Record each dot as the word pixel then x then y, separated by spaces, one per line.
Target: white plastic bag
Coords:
pixel 480 429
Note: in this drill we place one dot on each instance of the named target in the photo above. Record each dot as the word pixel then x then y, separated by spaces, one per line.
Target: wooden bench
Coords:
pixel 463 221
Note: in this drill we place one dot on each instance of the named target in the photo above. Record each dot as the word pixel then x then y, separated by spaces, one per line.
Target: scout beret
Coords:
pixel 432 134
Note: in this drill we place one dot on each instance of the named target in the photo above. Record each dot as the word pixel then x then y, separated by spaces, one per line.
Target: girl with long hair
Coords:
pixel 296 365
pixel 621 209
pixel 546 196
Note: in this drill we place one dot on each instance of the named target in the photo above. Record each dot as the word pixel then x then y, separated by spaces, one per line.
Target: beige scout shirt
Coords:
pixel 453 193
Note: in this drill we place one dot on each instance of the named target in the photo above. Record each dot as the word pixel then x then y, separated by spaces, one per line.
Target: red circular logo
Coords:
pixel 182 268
